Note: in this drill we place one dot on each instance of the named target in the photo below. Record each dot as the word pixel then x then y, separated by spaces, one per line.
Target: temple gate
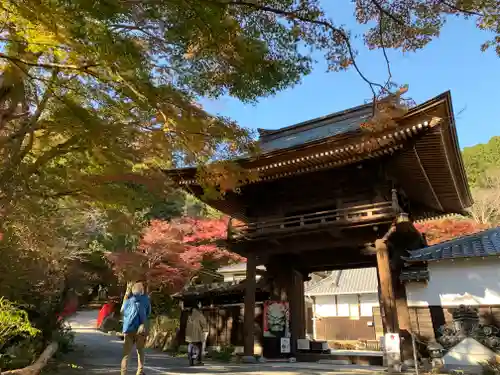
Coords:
pixel 332 195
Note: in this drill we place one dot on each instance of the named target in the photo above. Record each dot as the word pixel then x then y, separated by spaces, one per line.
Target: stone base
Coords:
pixel 248 359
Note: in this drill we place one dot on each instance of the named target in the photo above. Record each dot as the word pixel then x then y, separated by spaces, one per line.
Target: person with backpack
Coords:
pixel 136 309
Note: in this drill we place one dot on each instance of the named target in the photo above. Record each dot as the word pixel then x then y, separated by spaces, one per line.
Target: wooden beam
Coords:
pixel 333 259
pixel 307 242
pixel 249 312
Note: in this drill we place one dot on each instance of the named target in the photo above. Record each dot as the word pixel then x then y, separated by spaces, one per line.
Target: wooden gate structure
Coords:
pixel 332 195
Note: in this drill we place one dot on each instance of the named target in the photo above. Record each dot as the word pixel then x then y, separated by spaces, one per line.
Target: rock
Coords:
pixel 467 355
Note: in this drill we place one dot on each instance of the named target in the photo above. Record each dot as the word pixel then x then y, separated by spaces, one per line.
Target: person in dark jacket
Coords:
pixel 136 309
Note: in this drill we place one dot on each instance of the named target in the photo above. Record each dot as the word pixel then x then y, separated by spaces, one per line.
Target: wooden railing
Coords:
pixel 341 216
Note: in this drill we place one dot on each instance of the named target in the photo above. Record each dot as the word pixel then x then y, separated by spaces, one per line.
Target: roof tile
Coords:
pixel 351 281
pixel 485 243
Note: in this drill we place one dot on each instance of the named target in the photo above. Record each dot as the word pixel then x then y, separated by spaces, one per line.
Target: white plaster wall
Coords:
pixel 347 305
pixel 452 283
pixel 368 302
pixel 325 306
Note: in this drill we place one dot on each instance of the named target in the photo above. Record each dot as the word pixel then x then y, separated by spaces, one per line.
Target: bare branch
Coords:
pixel 382 45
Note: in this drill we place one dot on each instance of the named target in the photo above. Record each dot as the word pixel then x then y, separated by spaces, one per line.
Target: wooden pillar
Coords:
pixel 296 299
pixel 387 301
pixel 249 312
pixel 405 237
pixel 288 285
pixel 404 319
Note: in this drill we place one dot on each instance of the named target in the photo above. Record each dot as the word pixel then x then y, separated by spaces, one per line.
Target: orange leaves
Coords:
pixel 386 112
pixel 437 231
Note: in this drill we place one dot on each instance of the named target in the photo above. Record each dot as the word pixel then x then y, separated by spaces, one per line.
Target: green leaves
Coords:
pixel 481 161
pixel 13 322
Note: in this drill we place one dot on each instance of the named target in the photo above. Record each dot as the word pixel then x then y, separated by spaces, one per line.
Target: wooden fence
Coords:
pixel 345 328
pixel 225 325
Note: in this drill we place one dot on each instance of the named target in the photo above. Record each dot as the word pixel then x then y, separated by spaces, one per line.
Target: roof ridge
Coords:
pixel 269 132
pixel 318 283
pixel 480 244
pixel 455 241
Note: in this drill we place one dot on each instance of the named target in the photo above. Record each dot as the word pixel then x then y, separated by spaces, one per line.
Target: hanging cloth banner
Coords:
pixel 276 319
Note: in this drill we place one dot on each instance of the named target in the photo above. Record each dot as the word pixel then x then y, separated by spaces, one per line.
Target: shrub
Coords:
pixel 163 330
pixel 65 338
pixel 14 327
pixel 491 367
pixel 21 354
pixel 224 354
pixel 14 323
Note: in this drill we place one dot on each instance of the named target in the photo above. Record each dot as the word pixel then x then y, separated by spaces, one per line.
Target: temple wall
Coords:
pixel 348 305
pixel 459 282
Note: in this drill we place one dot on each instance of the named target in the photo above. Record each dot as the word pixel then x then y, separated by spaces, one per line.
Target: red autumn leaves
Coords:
pixel 444 230
pixel 170 252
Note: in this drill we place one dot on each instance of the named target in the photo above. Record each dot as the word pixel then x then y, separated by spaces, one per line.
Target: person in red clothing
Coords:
pixel 106 310
pixel 70 308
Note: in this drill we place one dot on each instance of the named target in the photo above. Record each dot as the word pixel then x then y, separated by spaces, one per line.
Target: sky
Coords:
pixel 452 62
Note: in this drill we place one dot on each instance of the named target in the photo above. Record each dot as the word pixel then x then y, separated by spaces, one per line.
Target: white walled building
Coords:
pixel 465 271
pixel 470 281
pixel 341 305
pixel 237 272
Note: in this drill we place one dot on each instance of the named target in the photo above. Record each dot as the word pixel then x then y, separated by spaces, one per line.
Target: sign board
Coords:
pixel 392 343
pixel 285 345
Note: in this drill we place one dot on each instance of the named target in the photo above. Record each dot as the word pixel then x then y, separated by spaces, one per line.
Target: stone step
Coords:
pixel 334 362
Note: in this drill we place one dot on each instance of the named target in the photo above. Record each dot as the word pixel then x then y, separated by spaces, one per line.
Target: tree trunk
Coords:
pixel 39 364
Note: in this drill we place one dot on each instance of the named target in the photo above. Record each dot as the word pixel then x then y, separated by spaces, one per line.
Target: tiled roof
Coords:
pixel 314 130
pixel 482 244
pixel 352 281
pixel 226 287
pixel 240 267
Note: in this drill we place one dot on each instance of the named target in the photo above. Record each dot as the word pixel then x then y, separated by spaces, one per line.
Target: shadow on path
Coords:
pixel 100 353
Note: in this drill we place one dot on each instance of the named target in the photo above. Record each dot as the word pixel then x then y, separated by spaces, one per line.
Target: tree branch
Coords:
pixel 83 67
pixel 294 15
pixel 454 7
pixel 58 150
pixel 388 14
pixel 382 45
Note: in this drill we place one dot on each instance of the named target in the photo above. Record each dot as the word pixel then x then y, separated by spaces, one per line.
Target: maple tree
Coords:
pixel 437 231
pixel 170 252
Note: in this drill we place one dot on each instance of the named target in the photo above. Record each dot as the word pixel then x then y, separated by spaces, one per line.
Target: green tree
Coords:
pixel 481 161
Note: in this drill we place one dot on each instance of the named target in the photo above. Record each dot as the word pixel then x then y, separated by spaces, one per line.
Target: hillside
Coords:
pixel 481 158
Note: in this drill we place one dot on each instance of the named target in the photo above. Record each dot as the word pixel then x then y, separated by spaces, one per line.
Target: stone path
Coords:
pixel 99 353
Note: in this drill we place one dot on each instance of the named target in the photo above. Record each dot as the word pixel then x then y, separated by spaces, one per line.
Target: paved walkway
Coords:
pixel 99 353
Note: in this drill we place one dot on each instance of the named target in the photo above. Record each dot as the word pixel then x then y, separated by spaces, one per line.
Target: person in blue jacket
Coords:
pixel 136 309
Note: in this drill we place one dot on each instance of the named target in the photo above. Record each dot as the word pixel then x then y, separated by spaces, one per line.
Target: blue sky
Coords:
pixel 452 62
